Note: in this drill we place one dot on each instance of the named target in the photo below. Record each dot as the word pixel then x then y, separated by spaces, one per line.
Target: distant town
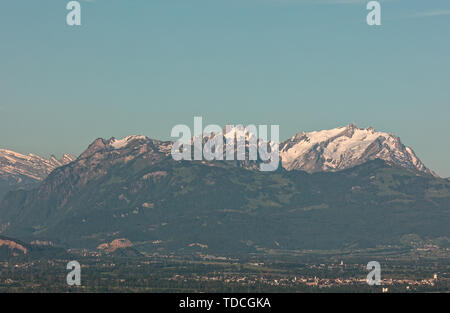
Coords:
pixel 417 270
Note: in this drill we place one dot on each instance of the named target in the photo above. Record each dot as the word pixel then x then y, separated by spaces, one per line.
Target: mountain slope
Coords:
pixel 345 147
pixel 23 171
pixel 133 189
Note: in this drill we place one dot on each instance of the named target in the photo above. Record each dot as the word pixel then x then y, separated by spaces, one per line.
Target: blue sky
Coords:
pixel 143 66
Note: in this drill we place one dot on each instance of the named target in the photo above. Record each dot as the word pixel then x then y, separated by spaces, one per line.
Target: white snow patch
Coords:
pixel 121 143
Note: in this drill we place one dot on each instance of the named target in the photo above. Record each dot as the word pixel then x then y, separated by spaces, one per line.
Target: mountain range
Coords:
pixel 346 187
pixel 26 171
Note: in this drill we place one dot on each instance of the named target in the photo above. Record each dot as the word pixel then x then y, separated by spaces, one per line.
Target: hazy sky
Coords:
pixel 142 66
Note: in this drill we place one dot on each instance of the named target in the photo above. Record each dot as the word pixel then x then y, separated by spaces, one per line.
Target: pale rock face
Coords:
pixel 120 243
pixel 345 147
pixel 12 245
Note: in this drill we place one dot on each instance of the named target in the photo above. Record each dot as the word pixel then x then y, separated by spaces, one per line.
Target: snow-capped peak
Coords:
pixel 14 164
pixel 344 147
pixel 121 143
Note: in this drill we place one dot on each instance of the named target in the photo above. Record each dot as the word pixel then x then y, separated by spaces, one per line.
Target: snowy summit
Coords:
pixel 345 147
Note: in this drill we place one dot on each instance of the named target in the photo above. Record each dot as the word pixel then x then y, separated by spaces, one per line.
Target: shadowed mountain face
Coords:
pixel 26 171
pixel 132 189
